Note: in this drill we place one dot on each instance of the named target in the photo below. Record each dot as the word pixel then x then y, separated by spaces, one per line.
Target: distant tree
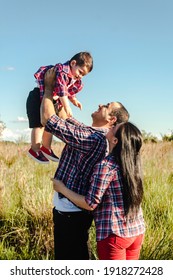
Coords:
pixel 148 137
pixel 2 127
pixel 168 138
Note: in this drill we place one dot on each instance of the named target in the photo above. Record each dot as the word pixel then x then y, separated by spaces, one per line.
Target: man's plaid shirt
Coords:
pixel 85 146
pixel 105 196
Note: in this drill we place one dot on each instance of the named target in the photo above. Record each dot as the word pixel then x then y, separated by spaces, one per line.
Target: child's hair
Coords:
pixel 127 155
pixel 83 59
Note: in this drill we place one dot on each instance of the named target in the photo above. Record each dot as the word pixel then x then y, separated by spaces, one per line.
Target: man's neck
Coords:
pixel 99 125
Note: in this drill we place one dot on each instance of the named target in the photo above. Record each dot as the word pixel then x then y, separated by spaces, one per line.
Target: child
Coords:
pixel 68 84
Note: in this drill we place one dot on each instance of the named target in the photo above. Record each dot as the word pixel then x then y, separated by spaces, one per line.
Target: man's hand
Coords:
pixel 49 79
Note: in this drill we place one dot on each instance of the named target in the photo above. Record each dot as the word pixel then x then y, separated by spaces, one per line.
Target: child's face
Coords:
pixel 78 71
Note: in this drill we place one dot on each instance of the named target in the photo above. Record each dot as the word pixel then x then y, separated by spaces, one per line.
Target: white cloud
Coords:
pixel 7 68
pixel 14 136
pixel 10 68
pixel 17 135
pixel 20 119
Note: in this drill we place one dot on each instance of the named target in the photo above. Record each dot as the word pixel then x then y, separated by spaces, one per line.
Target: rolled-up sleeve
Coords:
pixel 82 138
pixel 100 181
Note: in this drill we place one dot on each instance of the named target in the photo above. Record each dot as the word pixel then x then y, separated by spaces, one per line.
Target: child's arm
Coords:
pixel 65 103
pixel 75 102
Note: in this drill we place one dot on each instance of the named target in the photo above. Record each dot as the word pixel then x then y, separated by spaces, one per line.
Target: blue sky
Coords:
pixel 132 46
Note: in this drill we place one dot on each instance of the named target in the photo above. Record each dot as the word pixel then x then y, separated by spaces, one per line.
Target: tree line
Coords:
pixel 147 137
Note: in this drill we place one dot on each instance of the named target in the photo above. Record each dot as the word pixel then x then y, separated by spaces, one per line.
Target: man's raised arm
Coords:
pixel 47 108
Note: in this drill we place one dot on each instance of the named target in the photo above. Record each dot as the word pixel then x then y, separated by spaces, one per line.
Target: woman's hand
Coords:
pixel 77 199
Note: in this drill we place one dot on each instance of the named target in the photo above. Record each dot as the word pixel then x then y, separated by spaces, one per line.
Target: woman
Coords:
pixel 115 195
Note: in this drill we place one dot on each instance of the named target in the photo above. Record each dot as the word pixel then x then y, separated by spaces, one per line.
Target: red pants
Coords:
pixel 119 248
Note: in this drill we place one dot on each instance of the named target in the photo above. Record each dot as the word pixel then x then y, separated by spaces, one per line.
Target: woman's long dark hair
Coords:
pixel 127 155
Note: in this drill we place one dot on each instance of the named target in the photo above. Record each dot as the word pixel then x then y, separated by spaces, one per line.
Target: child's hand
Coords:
pixel 79 105
pixel 76 103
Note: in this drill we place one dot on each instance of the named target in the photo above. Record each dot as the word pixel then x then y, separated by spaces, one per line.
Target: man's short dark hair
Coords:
pixel 120 113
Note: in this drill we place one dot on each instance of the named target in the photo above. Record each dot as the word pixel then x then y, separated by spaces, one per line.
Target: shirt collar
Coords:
pixel 66 68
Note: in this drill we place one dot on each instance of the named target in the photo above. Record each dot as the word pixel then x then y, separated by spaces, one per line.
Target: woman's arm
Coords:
pixel 76 198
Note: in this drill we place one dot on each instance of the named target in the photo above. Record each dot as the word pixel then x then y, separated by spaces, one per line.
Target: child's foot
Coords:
pixel 38 156
pixel 49 154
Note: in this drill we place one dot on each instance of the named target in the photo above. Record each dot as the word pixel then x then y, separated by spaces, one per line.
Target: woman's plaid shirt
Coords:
pixel 105 196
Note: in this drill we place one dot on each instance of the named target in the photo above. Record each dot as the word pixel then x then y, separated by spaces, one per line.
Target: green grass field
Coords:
pixel 26 228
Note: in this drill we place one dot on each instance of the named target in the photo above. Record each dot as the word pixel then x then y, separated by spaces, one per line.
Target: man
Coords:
pixel 71 224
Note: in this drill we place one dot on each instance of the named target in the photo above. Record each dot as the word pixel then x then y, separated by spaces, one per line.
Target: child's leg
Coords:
pixel 46 147
pixel 47 139
pixel 36 138
pixel 33 113
pixel 35 150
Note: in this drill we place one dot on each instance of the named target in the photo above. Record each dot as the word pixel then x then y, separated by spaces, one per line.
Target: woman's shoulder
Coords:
pixel 109 162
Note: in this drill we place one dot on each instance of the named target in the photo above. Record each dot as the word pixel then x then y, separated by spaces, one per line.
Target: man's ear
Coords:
pixel 112 120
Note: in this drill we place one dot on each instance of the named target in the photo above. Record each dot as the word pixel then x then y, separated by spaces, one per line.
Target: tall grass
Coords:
pixel 158 201
pixel 26 228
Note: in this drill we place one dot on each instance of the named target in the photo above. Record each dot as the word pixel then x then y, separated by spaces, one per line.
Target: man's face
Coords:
pixel 104 111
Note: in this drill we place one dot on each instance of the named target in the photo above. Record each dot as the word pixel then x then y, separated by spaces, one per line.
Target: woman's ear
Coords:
pixel 115 141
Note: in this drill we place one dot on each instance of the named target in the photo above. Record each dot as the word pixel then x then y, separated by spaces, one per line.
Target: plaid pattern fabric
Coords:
pixel 64 86
pixel 105 196
pixel 84 147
